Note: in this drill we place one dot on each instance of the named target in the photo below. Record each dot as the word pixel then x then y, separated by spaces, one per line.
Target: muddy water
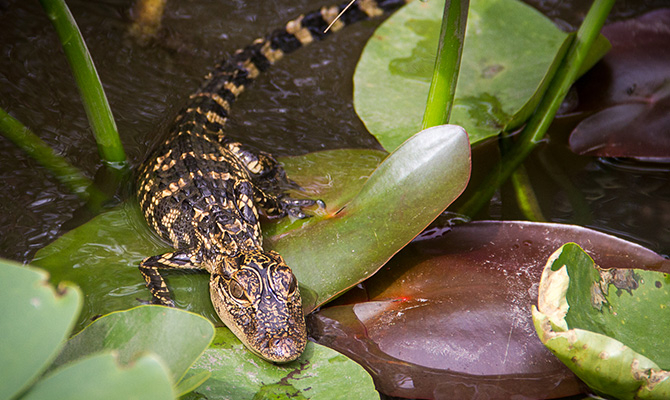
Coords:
pixel 303 105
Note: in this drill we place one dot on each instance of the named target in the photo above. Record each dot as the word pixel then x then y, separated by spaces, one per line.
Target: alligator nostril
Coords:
pixel 282 342
pixel 282 347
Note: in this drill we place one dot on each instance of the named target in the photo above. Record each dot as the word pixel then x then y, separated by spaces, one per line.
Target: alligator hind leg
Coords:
pixel 149 267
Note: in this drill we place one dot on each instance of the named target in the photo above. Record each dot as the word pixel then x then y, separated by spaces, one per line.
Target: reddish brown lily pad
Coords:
pixel 630 90
pixel 449 317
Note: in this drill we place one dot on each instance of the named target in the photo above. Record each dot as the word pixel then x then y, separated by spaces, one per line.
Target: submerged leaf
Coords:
pixel 450 314
pixel 608 325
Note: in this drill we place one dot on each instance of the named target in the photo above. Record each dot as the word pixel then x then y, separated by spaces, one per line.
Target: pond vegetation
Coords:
pixel 419 302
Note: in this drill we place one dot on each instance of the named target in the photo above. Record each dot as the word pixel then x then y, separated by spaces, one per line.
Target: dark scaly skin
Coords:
pixel 201 191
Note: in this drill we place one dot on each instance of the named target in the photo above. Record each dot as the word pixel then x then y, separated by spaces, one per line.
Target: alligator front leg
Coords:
pixel 149 267
pixel 270 182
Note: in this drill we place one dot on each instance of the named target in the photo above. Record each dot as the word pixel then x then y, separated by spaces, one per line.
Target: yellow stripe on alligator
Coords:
pixel 217 99
pixel 296 29
pixel 273 55
pixel 233 88
pixel 370 8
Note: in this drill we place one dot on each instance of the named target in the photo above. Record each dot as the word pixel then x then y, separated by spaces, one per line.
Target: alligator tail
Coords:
pixel 210 105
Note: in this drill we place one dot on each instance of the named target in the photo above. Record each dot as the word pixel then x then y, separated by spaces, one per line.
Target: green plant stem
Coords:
pixel 534 131
pixel 27 141
pixel 447 63
pixel 525 195
pixel 93 96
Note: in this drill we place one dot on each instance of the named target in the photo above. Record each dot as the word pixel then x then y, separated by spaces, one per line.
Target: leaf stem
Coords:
pixel 93 96
pixel 525 195
pixel 447 63
pixel 534 131
pixel 32 145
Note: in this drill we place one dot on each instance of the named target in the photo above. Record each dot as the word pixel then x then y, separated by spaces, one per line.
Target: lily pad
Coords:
pixel 507 57
pixel 609 326
pixel 629 91
pixel 35 320
pixel 449 314
pixel 402 196
pixel 176 336
pixel 329 252
pixel 101 376
pixel 320 373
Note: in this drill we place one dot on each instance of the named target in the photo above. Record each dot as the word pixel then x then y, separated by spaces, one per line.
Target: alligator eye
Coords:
pixel 236 290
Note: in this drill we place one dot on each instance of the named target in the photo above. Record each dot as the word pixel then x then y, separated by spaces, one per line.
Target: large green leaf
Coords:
pixel 35 319
pixel 609 326
pixel 176 336
pixel 320 373
pixel 507 56
pixel 101 377
pixel 402 196
pixel 329 252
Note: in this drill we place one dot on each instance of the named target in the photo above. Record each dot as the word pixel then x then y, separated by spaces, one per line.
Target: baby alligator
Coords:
pixel 201 190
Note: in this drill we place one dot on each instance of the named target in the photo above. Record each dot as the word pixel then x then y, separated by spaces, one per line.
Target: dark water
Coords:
pixel 303 105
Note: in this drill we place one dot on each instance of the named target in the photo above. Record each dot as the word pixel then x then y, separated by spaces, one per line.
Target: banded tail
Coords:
pixel 211 104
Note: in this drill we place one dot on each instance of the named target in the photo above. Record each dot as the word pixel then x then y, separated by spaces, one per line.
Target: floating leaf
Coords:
pixel 102 377
pixel 630 92
pixel 402 196
pixel 176 336
pixel 450 313
pixel 34 322
pixel 320 373
pixel 509 48
pixel 609 326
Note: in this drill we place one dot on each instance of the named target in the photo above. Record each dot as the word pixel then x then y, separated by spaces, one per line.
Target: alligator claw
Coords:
pixel 143 302
pixel 293 207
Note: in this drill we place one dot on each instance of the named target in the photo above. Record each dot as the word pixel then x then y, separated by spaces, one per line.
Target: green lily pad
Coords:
pixel 609 326
pixel 335 249
pixel 507 58
pixel 332 253
pixel 176 336
pixel 102 377
pixel 320 373
pixel 34 322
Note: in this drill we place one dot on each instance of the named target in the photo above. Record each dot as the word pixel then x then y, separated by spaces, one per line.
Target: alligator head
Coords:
pixel 256 295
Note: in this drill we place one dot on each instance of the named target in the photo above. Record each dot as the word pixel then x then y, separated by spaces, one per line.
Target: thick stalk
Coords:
pixel 93 96
pixel 447 63
pixel 525 195
pixel 534 131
